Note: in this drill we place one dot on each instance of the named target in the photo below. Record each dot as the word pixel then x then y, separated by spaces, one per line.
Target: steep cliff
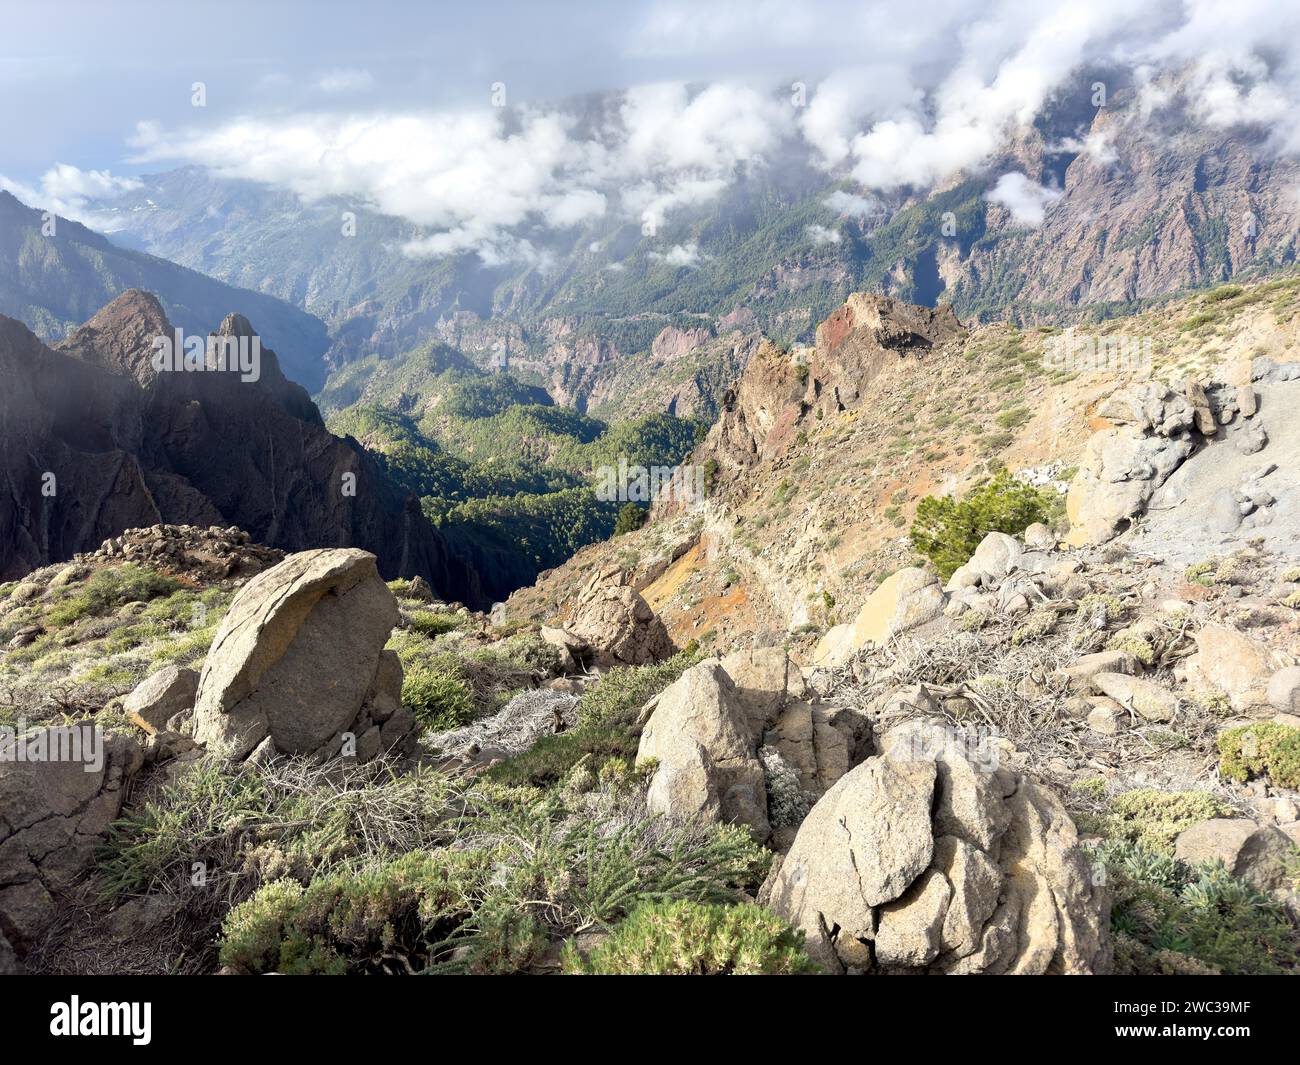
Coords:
pixel 97 439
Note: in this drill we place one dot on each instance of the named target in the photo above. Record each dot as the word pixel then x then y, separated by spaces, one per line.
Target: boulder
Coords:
pixel 707 733
pixel 572 649
pixel 620 628
pixel 766 680
pixel 996 557
pixel 419 589
pixel 1120 470
pixel 25 636
pixel 299 660
pixel 161 696
pixel 1106 718
pixel 1252 440
pixel 1284 690
pixel 1145 698
pixel 906 600
pixel 835 647
pixel 704 746
pixel 1256 853
pixel 1235 664
pixel 1038 537
pixel 1080 672
pixel 930 858
pixel 58 796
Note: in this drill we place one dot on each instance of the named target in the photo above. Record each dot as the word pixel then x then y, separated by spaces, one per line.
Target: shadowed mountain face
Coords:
pixel 54 280
pixel 96 439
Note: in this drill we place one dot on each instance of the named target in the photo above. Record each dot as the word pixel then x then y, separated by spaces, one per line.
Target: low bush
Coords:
pixel 515 869
pixel 694 939
pixel 1169 917
pixel 947 531
pixel 109 588
pixel 224 816
pixel 393 916
pixel 605 716
pixel 429 623
pixel 630 518
pixel 439 697
pixel 1154 818
pixel 1266 748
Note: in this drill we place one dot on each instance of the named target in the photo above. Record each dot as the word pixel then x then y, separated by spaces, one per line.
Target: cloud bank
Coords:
pixel 956 79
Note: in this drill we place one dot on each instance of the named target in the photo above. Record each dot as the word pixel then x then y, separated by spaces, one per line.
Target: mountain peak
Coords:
pixel 235 325
pixel 120 337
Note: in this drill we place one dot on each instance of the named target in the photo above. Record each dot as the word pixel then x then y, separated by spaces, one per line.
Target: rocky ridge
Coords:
pixel 97 441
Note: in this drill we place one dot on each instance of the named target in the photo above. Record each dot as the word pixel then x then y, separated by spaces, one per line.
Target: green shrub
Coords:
pixel 398 912
pixel 580 860
pixel 948 531
pixel 438 697
pixel 218 813
pixel 1223 292
pixel 1262 749
pixel 1154 818
pixel 429 623
pixel 692 939
pixel 630 518
pixel 605 716
pixel 623 691
pixel 1165 912
pixel 110 588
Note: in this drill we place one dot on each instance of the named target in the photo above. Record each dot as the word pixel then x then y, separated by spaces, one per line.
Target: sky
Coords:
pixel 396 104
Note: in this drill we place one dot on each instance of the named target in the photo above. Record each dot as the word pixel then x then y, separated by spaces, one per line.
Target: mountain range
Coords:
pixel 1086 212
pixel 55 273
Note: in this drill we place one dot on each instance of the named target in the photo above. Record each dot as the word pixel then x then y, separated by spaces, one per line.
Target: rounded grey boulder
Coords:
pixel 299 662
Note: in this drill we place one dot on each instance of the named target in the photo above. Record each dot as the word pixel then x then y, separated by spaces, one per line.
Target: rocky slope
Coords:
pixel 816 470
pixel 97 441
pixel 1076 753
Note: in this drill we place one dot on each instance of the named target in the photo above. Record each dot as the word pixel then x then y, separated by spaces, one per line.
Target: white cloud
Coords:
pixel 1027 201
pixel 821 235
pixel 957 77
pixel 66 190
pixel 1096 145
pixel 679 255
pixel 852 206
pixel 462 174
pixel 479 181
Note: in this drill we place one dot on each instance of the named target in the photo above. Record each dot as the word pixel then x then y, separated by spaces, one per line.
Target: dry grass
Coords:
pixel 1015 693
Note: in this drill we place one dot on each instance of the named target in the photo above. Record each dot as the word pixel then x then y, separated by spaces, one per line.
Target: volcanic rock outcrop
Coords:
pixel 96 440
pixel 931 858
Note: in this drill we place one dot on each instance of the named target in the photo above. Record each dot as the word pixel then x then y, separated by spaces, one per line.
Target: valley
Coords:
pixel 677 490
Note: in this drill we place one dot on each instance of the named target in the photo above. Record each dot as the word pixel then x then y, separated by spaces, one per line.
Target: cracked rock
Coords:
pixel 930 858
